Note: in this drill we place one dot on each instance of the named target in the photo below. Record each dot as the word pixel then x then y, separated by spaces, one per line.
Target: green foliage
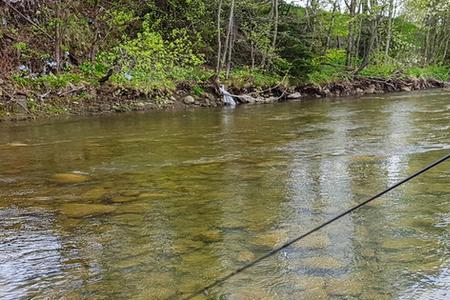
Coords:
pixel 51 81
pixel 430 72
pixel 245 77
pixel 149 61
pixel 329 67
pixel 379 70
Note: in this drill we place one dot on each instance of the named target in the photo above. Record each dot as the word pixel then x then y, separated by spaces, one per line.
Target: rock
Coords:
pixel 246 256
pixel 406 88
pixel 316 241
pixel 359 91
pixel 247 99
pixel 403 243
pixel 270 239
pixel 249 294
pixel 122 199
pixel 312 294
pixel 271 100
pixel 322 262
pixel 189 100
pixel 344 287
pixel 78 210
pixel 69 178
pixel 309 282
pixel 296 95
pixel 209 236
pixel 16 145
pixel 370 89
pixel 94 194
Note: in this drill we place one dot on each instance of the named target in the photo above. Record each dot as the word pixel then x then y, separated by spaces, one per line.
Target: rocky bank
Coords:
pixel 90 100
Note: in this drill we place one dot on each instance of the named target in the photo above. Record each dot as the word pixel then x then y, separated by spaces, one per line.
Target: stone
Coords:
pixel 247 99
pixel 309 282
pixel 359 91
pixel 189 100
pixel 78 210
pixel 322 262
pixel 406 88
pixel 249 294
pixel 370 89
pixel 296 95
pixel 17 145
pixel 69 178
pixel 270 239
pixel 209 236
pixel 94 194
pixel 316 241
pixel 312 294
pixel 344 287
pixel 122 199
pixel 402 243
pixel 246 256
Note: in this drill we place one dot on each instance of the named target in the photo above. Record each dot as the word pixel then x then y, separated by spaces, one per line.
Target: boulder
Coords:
pixel 296 95
pixel 188 100
pixel 247 99
pixel 370 89
pixel 405 88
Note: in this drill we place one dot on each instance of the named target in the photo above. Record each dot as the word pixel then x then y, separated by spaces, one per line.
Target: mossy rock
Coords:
pixel 75 210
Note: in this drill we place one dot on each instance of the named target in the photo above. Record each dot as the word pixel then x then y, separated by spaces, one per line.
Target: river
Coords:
pixel 144 206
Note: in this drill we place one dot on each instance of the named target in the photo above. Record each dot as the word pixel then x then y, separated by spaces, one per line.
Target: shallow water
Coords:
pixel 145 206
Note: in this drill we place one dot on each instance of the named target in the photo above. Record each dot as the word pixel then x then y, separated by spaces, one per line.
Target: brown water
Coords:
pixel 165 202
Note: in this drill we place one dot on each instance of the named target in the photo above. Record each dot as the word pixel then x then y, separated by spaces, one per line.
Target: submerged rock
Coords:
pixel 403 243
pixel 246 256
pixel 311 294
pixel 270 239
pixel 78 210
pixel 309 282
pixel 17 145
pixel 69 178
pixel 344 287
pixel 94 194
pixel 322 262
pixel 316 241
pixel 209 236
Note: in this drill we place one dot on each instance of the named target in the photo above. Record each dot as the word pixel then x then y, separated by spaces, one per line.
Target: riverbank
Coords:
pixel 86 99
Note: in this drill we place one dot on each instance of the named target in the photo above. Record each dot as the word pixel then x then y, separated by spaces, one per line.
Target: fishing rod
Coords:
pixel 221 280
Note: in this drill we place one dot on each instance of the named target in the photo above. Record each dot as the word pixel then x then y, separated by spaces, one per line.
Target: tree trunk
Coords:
pixel 352 9
pixel 389 30
pixel 219 38
pixel 227 38
pixel 58 36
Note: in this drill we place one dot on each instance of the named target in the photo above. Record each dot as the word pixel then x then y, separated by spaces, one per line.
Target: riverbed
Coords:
pixel 151 205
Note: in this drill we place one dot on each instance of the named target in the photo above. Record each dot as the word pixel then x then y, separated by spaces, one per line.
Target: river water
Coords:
pixel 146 206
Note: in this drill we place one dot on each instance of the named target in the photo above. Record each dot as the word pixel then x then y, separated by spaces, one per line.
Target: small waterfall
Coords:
pixel 227 97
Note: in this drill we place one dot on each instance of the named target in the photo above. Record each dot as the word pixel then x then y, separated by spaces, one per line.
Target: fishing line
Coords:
pixel 221 280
